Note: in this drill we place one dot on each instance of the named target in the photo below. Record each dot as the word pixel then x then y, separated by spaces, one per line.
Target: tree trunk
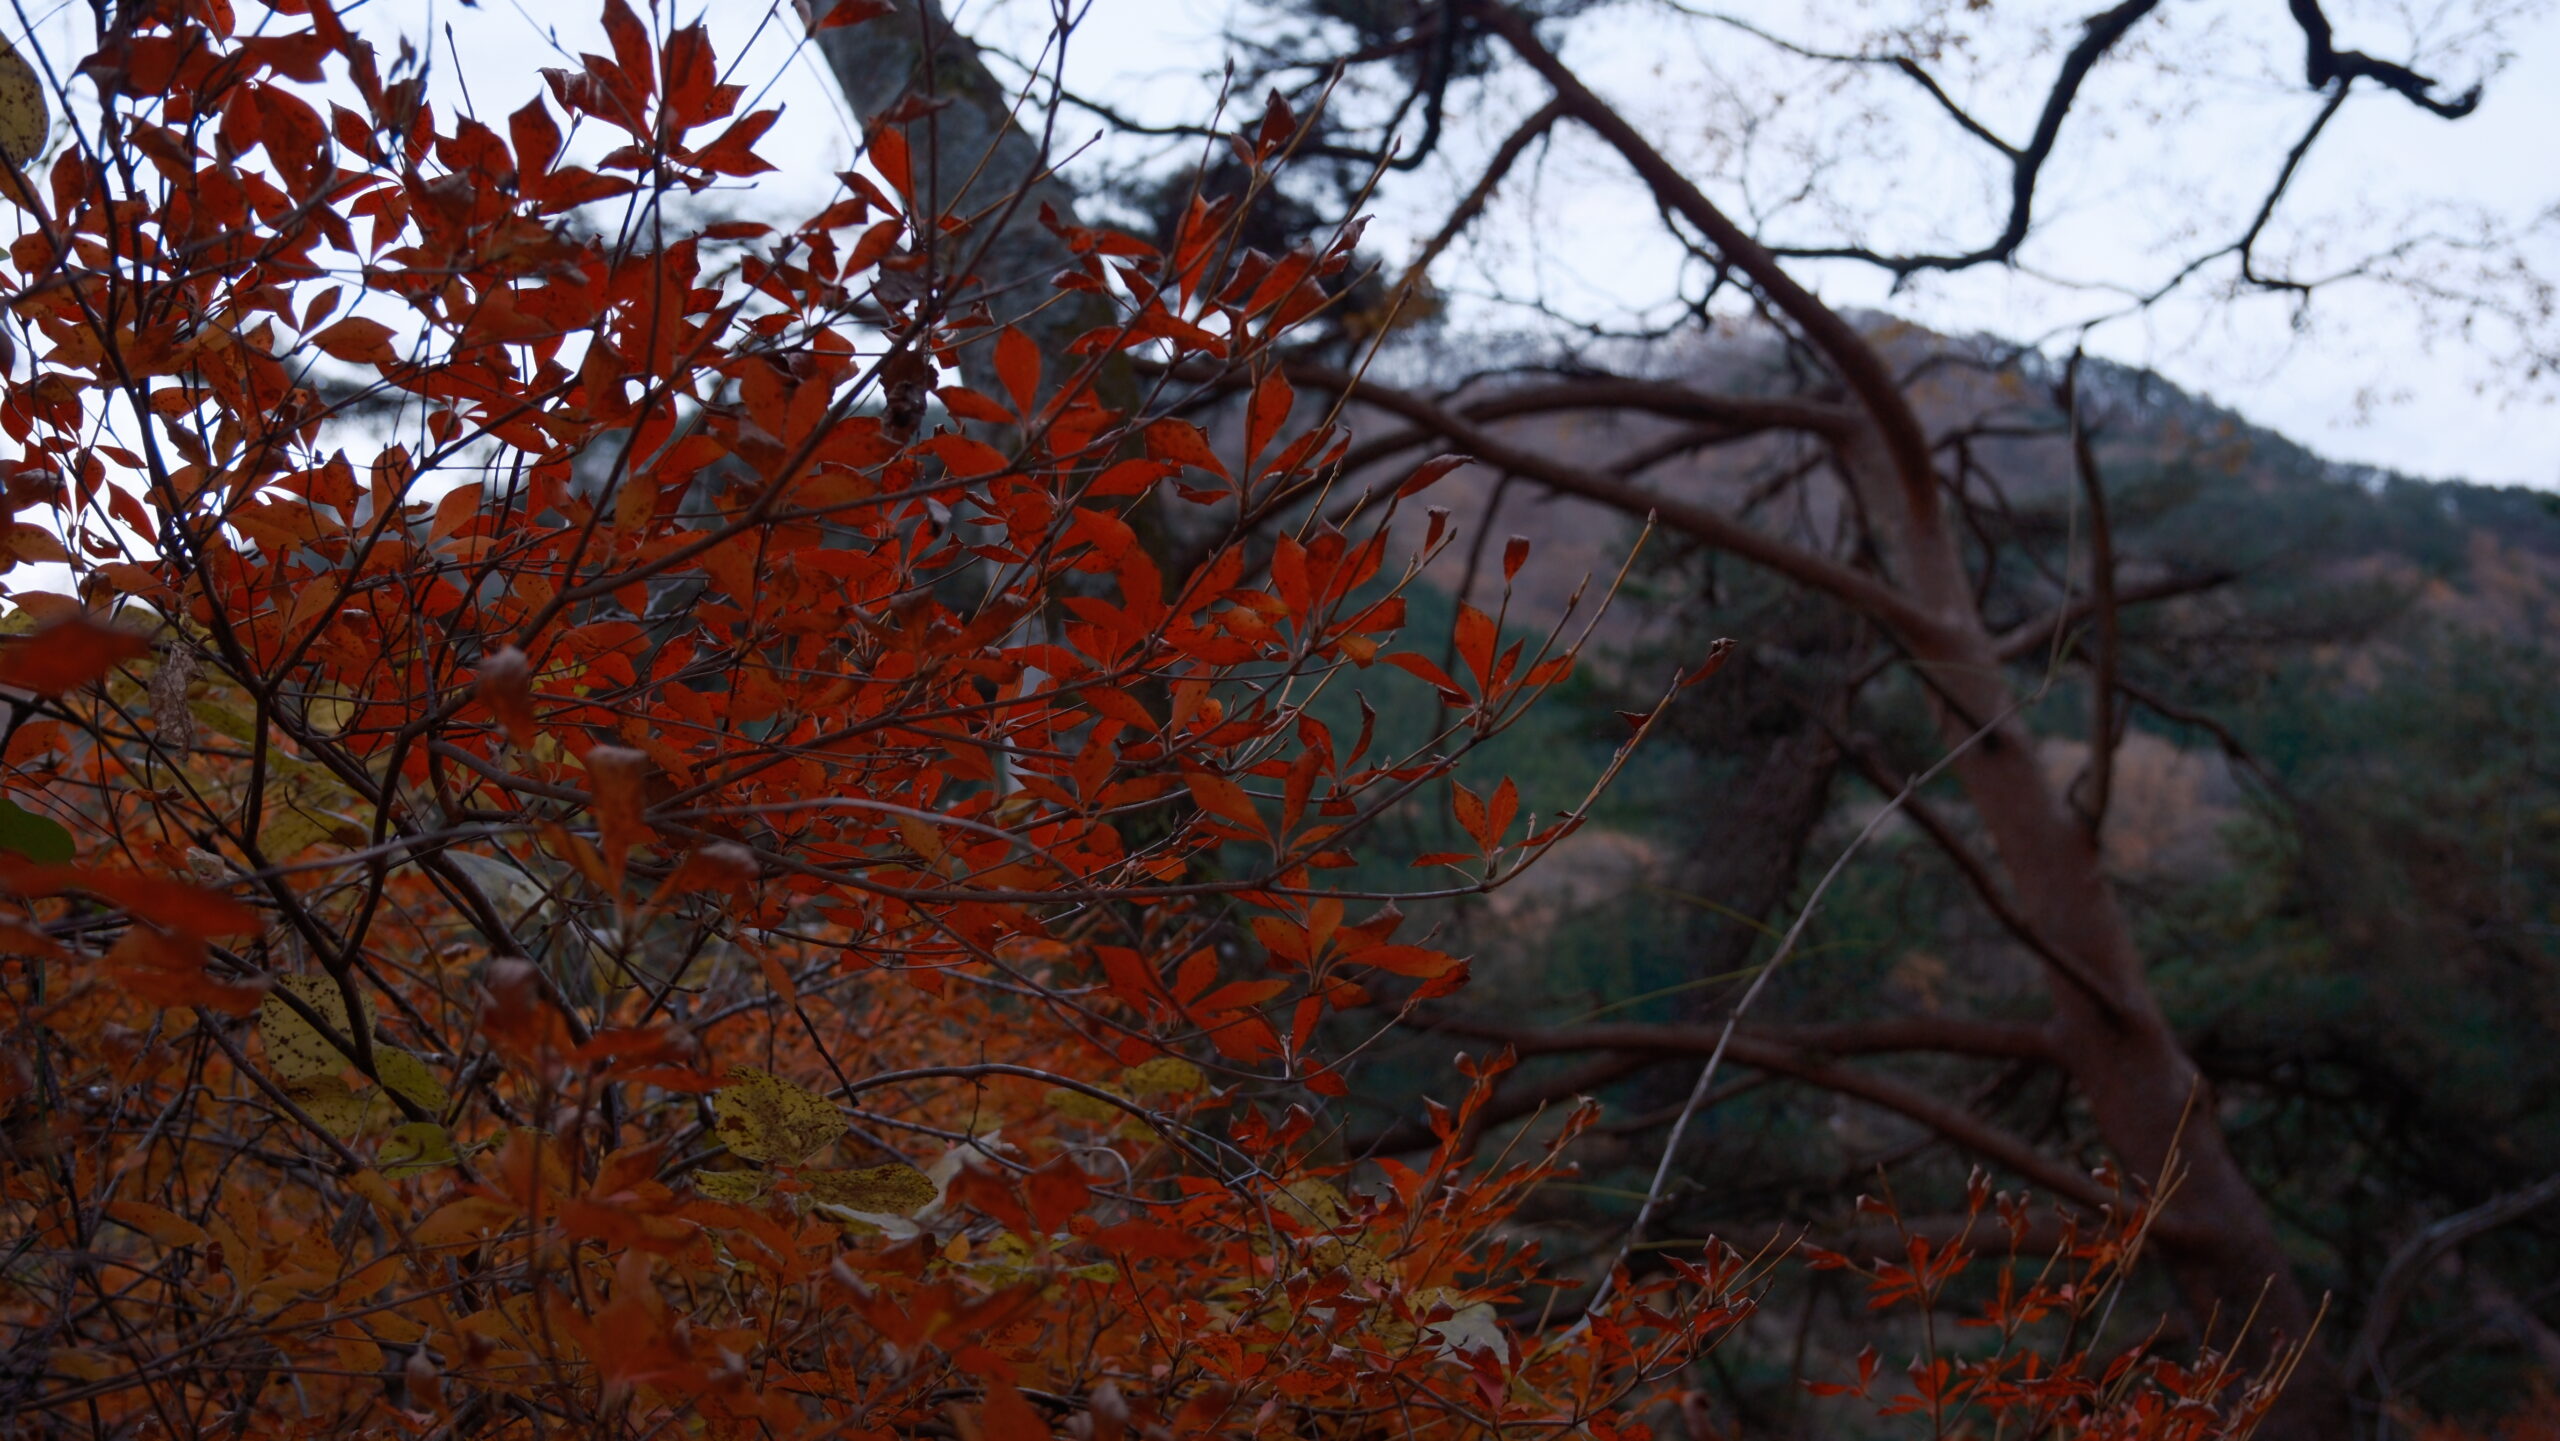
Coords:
pixel 970 160
pixel 2145 1093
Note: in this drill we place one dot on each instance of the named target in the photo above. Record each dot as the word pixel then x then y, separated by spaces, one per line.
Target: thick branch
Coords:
pixel 1477 197
pixel 2102 586
pixel 1948 1035
pixel 1733 417
pixel 2099 34
pixel 1854 587
pixel 2323 62
pixel 1978 876
pixel 1856 362
pixel 2037 634
pixel 1801 1054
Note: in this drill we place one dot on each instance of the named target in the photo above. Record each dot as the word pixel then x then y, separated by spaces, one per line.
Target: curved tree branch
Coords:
pixel 1856 362
pixel 1804 1054
pixel 2400 1275
pixel 1853 587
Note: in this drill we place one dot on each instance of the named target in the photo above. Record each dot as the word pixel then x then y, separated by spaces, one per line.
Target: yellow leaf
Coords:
pixel 329 1101
pixel 295 1051
pixel 290 833
pixel 1079 1106
pixel 409 1077
pixel 1313 1203
pixel 891 1190
pixel 766 1118
pixel 736 1187
pixel 24 122
pixel 415 1148
pixel 330 709
pixel 369 1184
pixel 1163 1076
pixel 223 721
pixel 160 1224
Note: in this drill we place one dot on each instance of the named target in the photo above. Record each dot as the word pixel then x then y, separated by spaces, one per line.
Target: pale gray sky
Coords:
pixel 2177 144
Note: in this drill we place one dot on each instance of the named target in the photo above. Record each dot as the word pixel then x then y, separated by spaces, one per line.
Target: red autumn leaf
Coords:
pixel 1717 655
pixel 66 654
pixel 1129 477
pixel 536 137
pixel 1278 125
pixel 1474 634
pixel 1430 473
pixel 1018 366
pixel 1148 1241
pixel 185 910
pixel 724 866
pixel 1268 411
pixel 889 157
pixel 1181 441
pixel 734 152
pixel 1430 672
pixel 851 12
pixel 631 48
pixel 968 459
pixel 967 404
pixel 1056 1191
pixel 1005 1416
pixel 169 972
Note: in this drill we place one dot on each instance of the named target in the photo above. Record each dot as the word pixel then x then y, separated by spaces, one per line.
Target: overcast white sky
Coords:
pixel 2177 144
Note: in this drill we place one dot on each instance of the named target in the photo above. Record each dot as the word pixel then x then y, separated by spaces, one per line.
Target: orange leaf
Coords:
pixel 1222 797
pixel 1408 961
pixel 1018 365
pixel 186 910
pixel 158 1222
pixel 358 341
pixel 620 777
